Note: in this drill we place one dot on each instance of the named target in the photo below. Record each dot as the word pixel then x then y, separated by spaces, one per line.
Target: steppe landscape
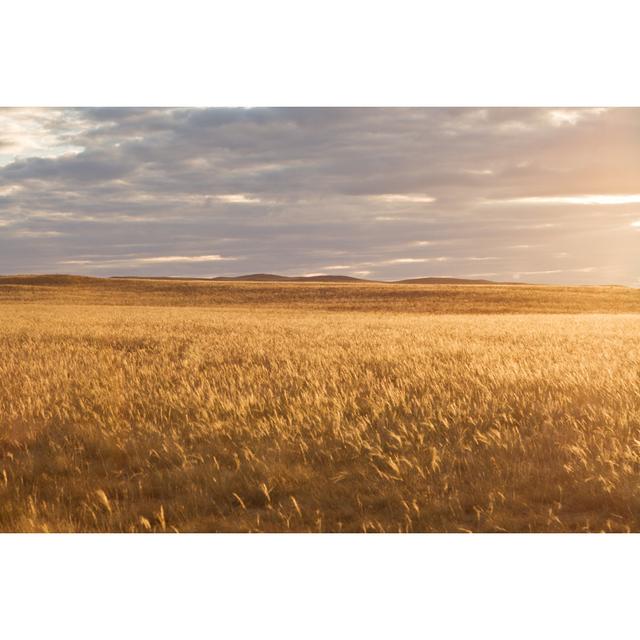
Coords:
pixel 135 405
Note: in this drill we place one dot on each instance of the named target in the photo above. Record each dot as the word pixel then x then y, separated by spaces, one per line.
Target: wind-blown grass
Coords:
pixel 266 418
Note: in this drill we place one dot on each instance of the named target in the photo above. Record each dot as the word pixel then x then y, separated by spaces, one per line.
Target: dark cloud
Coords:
pixel 103 190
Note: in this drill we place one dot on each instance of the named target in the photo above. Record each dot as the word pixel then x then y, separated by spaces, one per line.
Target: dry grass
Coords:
pixel 285 415
pixel 384 298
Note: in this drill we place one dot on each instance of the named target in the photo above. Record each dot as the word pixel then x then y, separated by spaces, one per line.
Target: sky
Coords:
pixel 545 195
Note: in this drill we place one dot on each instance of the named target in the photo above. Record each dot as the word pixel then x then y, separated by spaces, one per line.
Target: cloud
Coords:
pixel 597 199
pixel 149 260
pixel 486 274
pixel 161 259
pixel 479 172
pixel 38 133
pixel 294 190
pixel 571 117
pixel 31 233
pixel 10 190
pixel 238 198
pixel 416 260
pixel 409 198
pixel 544 272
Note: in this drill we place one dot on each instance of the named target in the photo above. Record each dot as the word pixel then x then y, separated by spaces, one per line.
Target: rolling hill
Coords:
pixel 269 277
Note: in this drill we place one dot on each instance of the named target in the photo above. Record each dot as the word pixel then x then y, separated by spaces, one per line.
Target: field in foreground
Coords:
pixel 116 417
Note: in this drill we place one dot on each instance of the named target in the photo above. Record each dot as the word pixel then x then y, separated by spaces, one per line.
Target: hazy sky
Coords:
pixel 540 195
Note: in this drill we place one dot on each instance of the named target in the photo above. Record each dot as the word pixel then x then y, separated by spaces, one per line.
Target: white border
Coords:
pixel 319 586
pixel 335 52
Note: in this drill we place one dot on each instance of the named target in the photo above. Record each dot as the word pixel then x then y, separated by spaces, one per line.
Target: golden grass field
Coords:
pixel 190 406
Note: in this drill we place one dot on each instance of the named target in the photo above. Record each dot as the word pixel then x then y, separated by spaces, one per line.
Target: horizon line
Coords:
pixel 344 279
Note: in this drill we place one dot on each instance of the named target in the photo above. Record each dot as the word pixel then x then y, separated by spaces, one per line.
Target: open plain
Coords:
pixel 155 405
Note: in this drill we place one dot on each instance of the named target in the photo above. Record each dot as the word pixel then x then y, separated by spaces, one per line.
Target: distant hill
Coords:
pixel 52 280
pixel 68 280
pixel 270 277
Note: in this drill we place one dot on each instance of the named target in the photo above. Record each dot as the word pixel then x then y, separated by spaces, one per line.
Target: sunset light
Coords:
pixel 228 192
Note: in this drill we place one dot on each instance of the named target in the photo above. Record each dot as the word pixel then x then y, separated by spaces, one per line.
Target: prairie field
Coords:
pixel 149 406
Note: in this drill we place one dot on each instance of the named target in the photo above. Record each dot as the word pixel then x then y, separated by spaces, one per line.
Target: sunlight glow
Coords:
pixel 400 198
pixel 212 258
pixel 416 260
pixel 10 190
pixel 599 199
pixel 571 117
pixel 151 260
pixel 238 198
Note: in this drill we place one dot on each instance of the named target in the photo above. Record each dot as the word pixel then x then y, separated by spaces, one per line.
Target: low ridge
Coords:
pixel 64 279
pixel 53 279
pixel 270 277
